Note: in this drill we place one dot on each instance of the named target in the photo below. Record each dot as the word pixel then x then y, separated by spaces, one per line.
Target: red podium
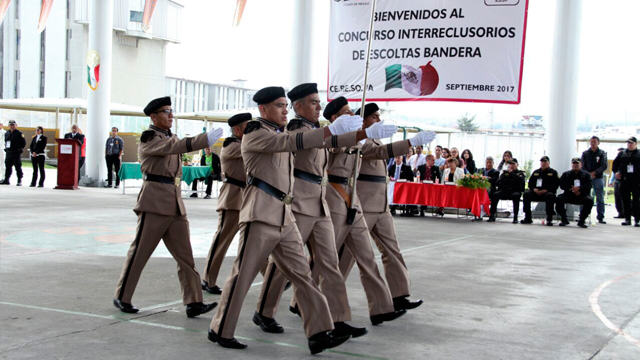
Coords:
pixel 68 158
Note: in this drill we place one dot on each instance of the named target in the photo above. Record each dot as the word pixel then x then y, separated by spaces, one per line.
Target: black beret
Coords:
pixel 334 106
pixel 302 90
pixel 239 119
pixel 268 94
pixel 369 109
pixel 156 104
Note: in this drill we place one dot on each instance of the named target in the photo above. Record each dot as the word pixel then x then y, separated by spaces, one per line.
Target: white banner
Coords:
pixel 428 50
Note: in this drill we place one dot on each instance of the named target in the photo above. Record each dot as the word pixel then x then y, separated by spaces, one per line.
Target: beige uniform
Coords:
pixel 313 219
pixel 161 213
pixel 229 202
pixel 372 189
pixel 267 226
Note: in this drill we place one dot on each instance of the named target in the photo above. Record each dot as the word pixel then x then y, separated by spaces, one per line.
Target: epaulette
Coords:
pixel 147 135
pixel 228 141
pixel 252 125
pixel 294 124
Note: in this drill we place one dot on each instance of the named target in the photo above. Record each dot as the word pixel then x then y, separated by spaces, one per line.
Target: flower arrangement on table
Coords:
pixel 474 181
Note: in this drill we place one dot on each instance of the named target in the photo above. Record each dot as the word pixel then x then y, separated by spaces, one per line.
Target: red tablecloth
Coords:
pixel 441 195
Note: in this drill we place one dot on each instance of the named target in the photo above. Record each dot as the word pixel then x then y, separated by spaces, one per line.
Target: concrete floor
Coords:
pixel 492 291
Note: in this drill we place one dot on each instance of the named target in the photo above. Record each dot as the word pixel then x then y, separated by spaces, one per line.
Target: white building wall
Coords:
pixel 29 51
pixel 9 52
pixel 55 49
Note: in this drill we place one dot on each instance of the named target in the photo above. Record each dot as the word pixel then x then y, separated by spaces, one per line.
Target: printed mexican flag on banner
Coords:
pixel 45 9
pixel 418 82
pixel 4 5
pixel 149 7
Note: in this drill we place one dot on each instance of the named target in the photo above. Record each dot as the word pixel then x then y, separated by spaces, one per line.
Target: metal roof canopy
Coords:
pixel 66 106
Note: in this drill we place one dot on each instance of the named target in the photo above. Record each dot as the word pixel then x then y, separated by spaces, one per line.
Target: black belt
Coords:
pixel 314 179
pixel 235 182
pixel 269 189
pixel 372 178
pixel 162 179
pixel 338 180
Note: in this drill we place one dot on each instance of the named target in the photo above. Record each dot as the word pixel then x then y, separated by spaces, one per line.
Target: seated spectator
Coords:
pixel 439 158
pixel 446 153
pixel 506 156
pixel 543 185
pixel 212 160
pixel 399 171
pixel 456 155
pixel 451 174
pixel 490 173
pixel 429 171
pixel 510 187
pixel 417 159
pixel 577 185
pixel 467 157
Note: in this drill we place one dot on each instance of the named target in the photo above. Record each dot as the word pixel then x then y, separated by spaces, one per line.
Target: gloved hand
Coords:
pixel 214 134
pixel 423 137
pixel 345 124
pixel 380 131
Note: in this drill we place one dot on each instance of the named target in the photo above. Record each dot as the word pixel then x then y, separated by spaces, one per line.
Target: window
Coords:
pixel 18 44
pixel 67 44
pixel 135 16
pixel 16 88
pixel 68 9
pixel 17 9
pixel 67 77
pixel 41 84
pixel 43 39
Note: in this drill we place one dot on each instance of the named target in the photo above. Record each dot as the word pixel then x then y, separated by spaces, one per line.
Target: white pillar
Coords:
pixel 561 131
pixel 302 44
pixel 99 101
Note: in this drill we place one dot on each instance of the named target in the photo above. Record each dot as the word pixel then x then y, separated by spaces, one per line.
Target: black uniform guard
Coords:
pixel 14 144
pixel 510 187
pixel 545 180
pixel 577 186
pixel 627 164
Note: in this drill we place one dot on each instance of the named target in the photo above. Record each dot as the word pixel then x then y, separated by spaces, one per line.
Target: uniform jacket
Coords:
pixel 621 162
pixel 17 141
pixel 267 155
pixel 567 178
pixel 160 153
pixel 511 181
pixel 493 176
pixel 341 163
pixel 38 145
pixel 309 198
pixel 550 180
pixel 435 172
pixel 373 195
pixel 405 172
pixel 595 161
pixel 230 197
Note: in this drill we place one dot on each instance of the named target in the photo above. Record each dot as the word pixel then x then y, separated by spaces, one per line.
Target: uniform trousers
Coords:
pixel 548 198
pixel 570 198
pixel 228 226
pixel 12 160
pixel 174 231
pixel 629 188
pixel 38 165
pixel 80 163
pixel 505 195
pixel 257 241
pixel 618 198
pixel 2 159
pixel 318 232
pixel 113 163
pixel 383 232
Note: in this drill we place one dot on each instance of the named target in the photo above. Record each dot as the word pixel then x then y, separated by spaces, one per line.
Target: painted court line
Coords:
pixel 595 307
pixel 179 328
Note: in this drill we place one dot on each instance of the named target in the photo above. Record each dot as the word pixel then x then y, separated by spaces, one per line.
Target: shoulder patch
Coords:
pixel 147 135
pixel 252 126
pixel 294 125
pixel 228 141
pixel 536 174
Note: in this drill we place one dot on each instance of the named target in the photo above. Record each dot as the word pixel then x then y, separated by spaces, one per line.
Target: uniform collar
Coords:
pixel 273 126
pixel 162 131
pixel 315 125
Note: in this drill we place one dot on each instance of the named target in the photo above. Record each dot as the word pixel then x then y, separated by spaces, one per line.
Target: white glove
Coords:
pixel 423 137
pixel 214 134
pixel 380 130
pixel 345 124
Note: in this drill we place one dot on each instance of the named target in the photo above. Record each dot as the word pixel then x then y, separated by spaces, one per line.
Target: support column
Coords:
pixel 99 101
pixel 561 130
pixel 302 44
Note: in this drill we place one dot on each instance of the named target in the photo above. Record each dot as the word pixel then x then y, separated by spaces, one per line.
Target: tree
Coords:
pixel 467 124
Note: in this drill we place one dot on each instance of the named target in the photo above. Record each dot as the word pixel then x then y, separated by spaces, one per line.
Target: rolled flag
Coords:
pixel 45 9
pixel 149 6
pixel 239 10
pixel 418 82
pixel 4 5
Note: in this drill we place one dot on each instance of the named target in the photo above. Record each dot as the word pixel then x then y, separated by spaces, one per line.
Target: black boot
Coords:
pixel 582 224
pixel 295 310
pixel 403 303
pixel 325 340
pixel 527 219
pixel 199 308
pixel 626 222
pixel 267 324
pixel 549 221
pixel 564 221
pixel 211 289
pixel 344 329
pixel 125 307
pixel 390 316
pixel 226 343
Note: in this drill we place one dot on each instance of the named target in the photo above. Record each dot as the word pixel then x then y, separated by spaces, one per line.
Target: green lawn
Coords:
pixel 27 164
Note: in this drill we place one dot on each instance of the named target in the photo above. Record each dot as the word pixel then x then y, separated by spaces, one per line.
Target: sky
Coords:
pixel 260 51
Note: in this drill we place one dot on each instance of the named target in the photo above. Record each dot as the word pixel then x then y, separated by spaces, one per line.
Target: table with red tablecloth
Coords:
pixel 440 195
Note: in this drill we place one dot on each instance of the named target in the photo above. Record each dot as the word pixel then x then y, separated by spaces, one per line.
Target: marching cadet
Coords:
pixel 161 212
pixel 14 143
pixel 229 201
pixel 312 215
pixel 349 225
pixel 626 166
pixel 372 190
pixel 510 186
pixel 267 224
pixel 543 185
pixel 577 185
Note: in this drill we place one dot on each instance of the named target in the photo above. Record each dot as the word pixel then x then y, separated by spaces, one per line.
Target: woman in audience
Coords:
pixel 506 156
pixel 451 174
pixel 446 153
pixel 467 156
pixel 456 155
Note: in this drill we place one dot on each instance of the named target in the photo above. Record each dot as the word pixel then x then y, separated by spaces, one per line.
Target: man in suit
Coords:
pixel 400 171
pixel 161 212
pixel 490 173
pixel 577 185
pixel 510 187
pixel 429 171
pixel 212 160
pixel 75 134
pixel 38 144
